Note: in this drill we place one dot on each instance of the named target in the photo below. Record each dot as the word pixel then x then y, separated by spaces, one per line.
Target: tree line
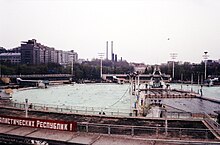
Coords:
pixel 91 69
pixel 188 71
pixel 87 70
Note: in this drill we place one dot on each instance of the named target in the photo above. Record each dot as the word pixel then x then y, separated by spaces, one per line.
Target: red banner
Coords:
pixel 39 123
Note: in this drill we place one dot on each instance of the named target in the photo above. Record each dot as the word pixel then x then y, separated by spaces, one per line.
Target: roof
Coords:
pixel 10 54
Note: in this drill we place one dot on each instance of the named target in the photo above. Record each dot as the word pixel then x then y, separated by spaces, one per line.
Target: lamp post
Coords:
pixel 131 90
pixel 101 56
pixel 0 71
pixel 205 56
pixel 26 108
pixel 173 57
pixel 72 67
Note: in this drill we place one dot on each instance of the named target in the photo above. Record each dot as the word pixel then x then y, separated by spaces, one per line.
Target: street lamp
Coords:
pixel 173 57
pixel 26 108
pixel 205 56
pixel 72 67
pixel 101 56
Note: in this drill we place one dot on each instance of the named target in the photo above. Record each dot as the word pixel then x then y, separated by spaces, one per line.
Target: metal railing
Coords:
pixel 90 110
pixel 152 132
pixel 37 75
pixel 140 131
pixel 72 109
pixel 213 124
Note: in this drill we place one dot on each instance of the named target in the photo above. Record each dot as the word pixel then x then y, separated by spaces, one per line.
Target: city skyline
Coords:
pixel 143 30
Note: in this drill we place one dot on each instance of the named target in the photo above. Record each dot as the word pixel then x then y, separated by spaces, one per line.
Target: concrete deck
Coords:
pixel 87 138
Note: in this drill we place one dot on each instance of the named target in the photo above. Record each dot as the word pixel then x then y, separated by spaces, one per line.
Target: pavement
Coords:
pixel 88 138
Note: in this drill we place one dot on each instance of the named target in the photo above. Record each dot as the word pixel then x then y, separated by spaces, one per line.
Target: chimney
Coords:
pixel 113 57
pixel 116 59
pixel 106 50
pixel 112 51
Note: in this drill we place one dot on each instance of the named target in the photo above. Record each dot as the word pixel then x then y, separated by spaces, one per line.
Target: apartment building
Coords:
pixel 13 58
pixel 36 53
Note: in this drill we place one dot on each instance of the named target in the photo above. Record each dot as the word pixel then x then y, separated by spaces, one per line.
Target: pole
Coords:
pixel 138 84
pixel 205 70
pixel 166 123
pixel 135 84
pixel 191 78
pixel 101 55
pixel 101 69
pixel 205 56
pixel 201 79
pixel 131 91
pixel 181 81
pixel 0 69
pixel 173 56
pixel 191 82
pixel 72 68
pixel 138 93
pixel 173 69
pixel 26 108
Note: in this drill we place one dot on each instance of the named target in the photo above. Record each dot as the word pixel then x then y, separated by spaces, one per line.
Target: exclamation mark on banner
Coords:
pixel 71 126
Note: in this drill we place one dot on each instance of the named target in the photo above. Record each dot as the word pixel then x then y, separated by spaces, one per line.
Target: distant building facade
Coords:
pixel 14 58
pixel 72 56
pixel 3 50
pixel 36 53
pixel 139 67
pixel 30 52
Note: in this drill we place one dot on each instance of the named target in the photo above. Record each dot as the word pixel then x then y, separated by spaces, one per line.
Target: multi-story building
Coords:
pixel 72 56
pixel 51 55
pixel 36 53
pixel 30 53
pixel 13 58
pixel 44 54
pixel 60 57
pixel 56 52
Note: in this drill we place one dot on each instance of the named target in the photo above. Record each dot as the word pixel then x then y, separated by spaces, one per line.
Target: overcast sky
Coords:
pixel 139 28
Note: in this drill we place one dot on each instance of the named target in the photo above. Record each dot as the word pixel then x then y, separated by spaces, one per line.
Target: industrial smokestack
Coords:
pixel 106 50
pixel 116 59
pixel 113 57
pixel 112 51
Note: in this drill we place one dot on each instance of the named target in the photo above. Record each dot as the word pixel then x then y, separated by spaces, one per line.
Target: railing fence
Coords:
pixel 153 132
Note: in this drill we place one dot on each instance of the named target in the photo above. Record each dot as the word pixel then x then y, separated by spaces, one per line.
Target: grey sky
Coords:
pixel 139 28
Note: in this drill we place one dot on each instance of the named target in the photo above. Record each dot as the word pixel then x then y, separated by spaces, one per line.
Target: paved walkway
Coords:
pixel 85 138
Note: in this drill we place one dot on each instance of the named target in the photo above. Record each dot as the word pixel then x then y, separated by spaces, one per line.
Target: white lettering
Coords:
pixel 71 126
pixel 38 123
pixel 65 126
pixel 41 124
pixel 45 124
pixel 20 122
pixel 14 122
pixel 32 123
pixel 23 122
pixel 54 126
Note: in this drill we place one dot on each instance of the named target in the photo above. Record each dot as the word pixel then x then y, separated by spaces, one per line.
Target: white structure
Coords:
pixel 205 56
pixel 139 67
pixel 101 56
pixel 173 57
